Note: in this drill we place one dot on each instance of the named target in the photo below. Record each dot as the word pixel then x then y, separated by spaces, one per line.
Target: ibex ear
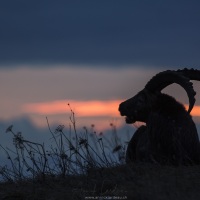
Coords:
pixel 163 79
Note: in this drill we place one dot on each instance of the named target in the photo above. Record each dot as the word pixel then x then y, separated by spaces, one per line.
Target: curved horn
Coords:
pixel 192 74
pixel 163 79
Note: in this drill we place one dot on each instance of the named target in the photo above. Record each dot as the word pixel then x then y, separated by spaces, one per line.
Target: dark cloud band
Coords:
pixel 100 32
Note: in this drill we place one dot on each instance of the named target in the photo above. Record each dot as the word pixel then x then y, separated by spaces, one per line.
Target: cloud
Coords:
pixel 37 93
pixel 29 85
pixel 100 32
pixel 93 94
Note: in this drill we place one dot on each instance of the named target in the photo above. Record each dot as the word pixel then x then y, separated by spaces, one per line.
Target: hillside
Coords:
pixel 137 181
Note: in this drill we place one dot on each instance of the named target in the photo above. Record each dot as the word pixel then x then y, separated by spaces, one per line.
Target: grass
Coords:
pixel 84 165
pixel 137 181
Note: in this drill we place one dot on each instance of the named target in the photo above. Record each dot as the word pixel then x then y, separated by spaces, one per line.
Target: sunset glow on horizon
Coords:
pixel 100 113
pixel 56 87
pixel 83 108
pixel 195 111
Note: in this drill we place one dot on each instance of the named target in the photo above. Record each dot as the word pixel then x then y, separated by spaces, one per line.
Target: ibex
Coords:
pixel 170 135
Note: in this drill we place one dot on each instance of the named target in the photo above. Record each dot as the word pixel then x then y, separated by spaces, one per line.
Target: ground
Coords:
pixel 136 182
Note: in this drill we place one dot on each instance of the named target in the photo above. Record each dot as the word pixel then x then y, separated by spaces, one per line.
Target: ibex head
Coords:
pixel 138 107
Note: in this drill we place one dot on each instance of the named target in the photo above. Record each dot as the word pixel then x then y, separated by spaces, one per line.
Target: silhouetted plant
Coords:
pixel 70 153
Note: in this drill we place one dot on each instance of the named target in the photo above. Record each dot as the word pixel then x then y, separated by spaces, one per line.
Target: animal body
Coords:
pixel 170 135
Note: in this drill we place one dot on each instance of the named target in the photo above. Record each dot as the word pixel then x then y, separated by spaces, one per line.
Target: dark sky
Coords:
pixel 150 33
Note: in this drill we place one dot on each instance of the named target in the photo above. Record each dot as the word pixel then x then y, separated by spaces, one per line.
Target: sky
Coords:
pixel 91 55
pixel 153 33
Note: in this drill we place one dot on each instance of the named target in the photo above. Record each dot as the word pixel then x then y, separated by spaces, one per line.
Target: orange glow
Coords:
pixel 88 111
pixel 195 111
pixel 100 113
pixel 81 108
pixel 84 108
